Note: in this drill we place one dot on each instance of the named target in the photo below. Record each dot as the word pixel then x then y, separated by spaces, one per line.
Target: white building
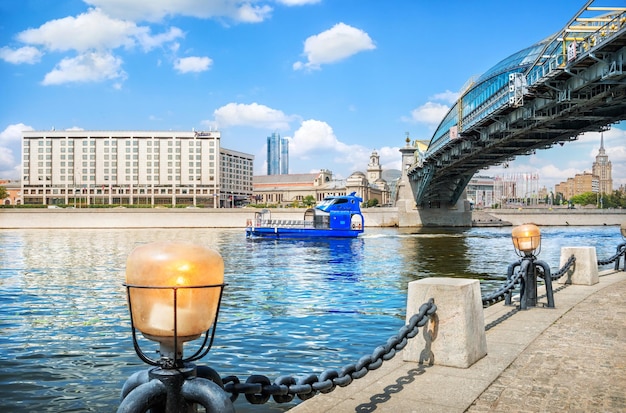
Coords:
pixel 131 167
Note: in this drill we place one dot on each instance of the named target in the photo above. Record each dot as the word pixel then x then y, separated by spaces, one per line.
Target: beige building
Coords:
pixel 579 184
pixel 132 167
pixel 14 192
pixel 288 189
pixel 602 168
pixel 292 189
pixel 599 181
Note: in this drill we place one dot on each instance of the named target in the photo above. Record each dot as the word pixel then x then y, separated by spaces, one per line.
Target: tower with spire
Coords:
pixel 602 169
pixel 374 170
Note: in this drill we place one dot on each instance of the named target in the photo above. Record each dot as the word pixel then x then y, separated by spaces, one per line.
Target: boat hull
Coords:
pixel 278 232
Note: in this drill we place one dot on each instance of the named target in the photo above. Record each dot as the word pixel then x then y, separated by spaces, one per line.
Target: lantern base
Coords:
pixel 171 350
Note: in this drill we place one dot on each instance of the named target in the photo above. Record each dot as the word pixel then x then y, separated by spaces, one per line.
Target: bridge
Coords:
pixel 546 94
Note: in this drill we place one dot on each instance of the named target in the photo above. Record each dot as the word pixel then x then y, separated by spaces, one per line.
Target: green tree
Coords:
pixel 3 193
pixel 586 198
pixel 617 199
pixel 309 200
pixel 371 202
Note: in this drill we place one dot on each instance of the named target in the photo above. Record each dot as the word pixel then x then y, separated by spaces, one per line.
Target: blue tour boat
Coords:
pixel 333 217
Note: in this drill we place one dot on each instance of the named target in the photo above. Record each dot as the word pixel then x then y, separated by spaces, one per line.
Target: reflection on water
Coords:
pixel 291 307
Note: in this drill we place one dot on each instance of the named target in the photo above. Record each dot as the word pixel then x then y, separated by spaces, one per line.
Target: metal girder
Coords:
pixel 460 187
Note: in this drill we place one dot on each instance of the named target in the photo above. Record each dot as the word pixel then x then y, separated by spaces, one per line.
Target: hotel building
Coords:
pixel 133 168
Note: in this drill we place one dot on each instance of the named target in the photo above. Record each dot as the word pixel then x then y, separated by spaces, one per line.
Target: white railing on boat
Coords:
pixel 284 223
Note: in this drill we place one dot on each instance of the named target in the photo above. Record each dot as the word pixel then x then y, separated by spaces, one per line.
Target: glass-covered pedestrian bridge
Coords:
pixel 547 93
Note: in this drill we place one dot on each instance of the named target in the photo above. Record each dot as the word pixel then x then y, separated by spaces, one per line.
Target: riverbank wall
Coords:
pixel 58 218
pixel 236 218
pixel 559 216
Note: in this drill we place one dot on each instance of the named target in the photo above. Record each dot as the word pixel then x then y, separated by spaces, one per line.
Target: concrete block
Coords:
pixel 585 269
pixel 455 335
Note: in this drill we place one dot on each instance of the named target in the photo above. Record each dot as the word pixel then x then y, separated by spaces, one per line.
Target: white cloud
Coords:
pixel 447 96
pixel 390 158
pixel 13 134
pixel 25 54
pixel 333 45
pixel 316 140
pixel 430 113
pixel 155 10
pixel 192 64
pixel 88 31
pixel 313 145
pixel 10 150
pixel 93 35
pixel 89 67
pixel 94 30
pixel 313 137
pixel 252 14
pixel 6 159
pixel 9 169
pixel 559 163
pixel 298 2
pixel 149 41
pixel 254 115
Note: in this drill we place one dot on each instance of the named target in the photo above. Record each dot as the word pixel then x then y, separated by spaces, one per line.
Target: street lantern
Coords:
pixel 526 239
pixel 527 244
pixel 174 292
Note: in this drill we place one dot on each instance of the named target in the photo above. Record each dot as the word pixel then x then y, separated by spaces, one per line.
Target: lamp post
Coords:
pixel 174 292
pixel 527 243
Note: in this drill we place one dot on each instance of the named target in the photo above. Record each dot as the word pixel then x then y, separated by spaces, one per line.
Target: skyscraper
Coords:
pixel 602 169
pixel 277 155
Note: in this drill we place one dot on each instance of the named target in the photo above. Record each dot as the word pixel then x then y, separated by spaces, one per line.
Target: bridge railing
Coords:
pixel 497 101
pixel 575 43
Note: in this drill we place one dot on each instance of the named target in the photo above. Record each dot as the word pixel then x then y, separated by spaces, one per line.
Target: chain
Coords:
pixel 564 269
pixel 501 293
pixel 514 280
pixel 258 388
pixel 621 250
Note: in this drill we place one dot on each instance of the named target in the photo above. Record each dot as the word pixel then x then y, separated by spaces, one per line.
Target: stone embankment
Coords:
pixel 554 216
pixel 237 218
pixel 161 217
pixel 484 219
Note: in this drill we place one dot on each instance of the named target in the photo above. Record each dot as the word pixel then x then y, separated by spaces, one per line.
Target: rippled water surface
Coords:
pixel 290 307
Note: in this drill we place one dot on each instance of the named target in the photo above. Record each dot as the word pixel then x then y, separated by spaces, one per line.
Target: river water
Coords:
pixel 290 307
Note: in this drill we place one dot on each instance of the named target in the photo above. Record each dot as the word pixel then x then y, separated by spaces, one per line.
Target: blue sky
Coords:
pixel 339 78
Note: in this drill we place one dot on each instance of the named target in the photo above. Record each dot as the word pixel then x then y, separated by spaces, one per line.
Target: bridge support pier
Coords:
pixel 459 215
pixel 455 335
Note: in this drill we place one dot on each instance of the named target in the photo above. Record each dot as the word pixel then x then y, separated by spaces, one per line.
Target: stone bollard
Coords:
pixel 585 269
pixel 455 335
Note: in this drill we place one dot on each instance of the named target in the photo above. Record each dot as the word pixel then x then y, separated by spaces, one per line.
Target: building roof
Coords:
pixel 288 179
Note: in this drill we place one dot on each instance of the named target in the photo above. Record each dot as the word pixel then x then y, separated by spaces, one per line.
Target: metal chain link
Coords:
pixel 500 294
pixel 511 283
pixel 258 388
pixel 564 269
pixel 621 250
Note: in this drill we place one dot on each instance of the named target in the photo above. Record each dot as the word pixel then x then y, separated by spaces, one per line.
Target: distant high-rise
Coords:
pixel 277 155
pixel 602 169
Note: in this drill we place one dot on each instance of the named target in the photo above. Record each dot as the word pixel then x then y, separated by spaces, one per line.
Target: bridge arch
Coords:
pixel 550 92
